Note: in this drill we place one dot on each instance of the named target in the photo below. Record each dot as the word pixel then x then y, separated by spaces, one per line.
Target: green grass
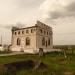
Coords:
pixel 56 63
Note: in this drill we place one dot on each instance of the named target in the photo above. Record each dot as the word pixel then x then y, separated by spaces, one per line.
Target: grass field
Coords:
pixel 57 64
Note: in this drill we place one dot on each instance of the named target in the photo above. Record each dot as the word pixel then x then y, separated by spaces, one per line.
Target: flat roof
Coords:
pixel 25 28
pixel 36 25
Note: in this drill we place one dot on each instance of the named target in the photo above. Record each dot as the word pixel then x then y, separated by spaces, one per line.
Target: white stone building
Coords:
pixel 31 39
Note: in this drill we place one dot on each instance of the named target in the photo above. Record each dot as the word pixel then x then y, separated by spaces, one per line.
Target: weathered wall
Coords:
pixel 35 38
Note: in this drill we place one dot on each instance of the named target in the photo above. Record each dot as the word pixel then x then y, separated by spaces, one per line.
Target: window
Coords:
pixel 46 43
pixel 18 41
pixel 27 31
pixel 22 32
pixel 47 33
pixel 18 32
pixel 32 30
pixel 43 41
pixel 49 41
pixel 44 32
pixel 15 33
pixel 41 31
pixel 27 41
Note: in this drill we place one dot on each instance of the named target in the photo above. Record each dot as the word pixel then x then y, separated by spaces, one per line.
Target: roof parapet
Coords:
pixel 15 28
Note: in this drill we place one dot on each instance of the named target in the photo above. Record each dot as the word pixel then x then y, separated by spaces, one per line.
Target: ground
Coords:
pixel 56 64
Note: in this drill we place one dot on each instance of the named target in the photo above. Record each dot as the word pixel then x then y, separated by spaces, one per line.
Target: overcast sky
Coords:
pixel 60 14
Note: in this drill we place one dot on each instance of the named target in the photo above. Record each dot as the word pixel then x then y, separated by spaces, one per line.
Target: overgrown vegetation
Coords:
pixel 55 62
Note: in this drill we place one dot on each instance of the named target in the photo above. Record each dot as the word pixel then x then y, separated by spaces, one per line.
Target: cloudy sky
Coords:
pixel 60 14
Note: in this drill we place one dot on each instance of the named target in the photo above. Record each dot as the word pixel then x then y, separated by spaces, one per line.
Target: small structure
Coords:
pixel 1 47
pixel 31 39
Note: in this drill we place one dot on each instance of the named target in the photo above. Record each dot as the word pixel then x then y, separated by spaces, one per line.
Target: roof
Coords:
pixel 36 25
pixel 23 28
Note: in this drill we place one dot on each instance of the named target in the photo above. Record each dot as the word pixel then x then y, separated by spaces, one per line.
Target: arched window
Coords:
pixel 43 41
pixel 48 41
pixel 18 41
pixel 27 41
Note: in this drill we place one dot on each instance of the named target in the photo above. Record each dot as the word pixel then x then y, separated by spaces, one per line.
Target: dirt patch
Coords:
pixel 20 64
pixel 11 68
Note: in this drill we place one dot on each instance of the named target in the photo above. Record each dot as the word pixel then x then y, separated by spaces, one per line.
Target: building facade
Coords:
pixel 31 39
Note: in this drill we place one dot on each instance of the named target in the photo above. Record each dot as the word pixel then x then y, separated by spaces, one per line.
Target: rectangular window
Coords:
pixel 41 30
pixel 22 32
pixel 44 32
pixel 43 41
pixel 47 33
pixel 49 41
pixel 18 32
pixel 32 30
pixel 27 31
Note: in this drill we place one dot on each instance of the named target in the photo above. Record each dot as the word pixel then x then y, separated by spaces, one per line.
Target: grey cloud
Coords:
pixel 55 15
pixel 53 12
pixel 71 7
pixel 70 11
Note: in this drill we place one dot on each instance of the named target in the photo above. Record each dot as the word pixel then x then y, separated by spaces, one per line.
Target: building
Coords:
pixel 1 48
pixel 31 39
